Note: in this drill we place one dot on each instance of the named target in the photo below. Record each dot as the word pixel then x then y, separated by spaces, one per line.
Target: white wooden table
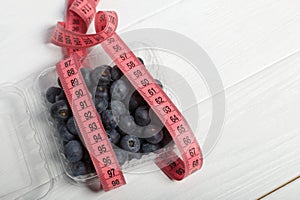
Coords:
pixel 254 46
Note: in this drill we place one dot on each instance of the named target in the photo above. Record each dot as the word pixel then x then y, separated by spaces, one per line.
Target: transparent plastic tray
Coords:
pixel 30 138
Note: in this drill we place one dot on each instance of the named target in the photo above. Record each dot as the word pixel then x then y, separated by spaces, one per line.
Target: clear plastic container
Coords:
pixel 33 150
pixel 49 78
pixel 31 140
pixel 27 169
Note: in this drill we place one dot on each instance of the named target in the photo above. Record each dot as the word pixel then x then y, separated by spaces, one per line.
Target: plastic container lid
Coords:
pixel 23 170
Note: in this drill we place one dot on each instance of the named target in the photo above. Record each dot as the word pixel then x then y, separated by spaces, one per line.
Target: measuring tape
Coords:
pixel 91 128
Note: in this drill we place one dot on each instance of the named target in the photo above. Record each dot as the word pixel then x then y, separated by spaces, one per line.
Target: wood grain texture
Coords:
pixel 253 45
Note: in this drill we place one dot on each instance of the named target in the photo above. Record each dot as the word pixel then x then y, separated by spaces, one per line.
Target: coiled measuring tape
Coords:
pixel 86 116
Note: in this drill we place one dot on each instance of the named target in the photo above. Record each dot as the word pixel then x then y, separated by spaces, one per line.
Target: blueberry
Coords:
pixel 73 151
pixel 119 89
pixel 60 110
pixel 133 104
pixel 79 168
pixel 140 100
pixel 102 92
pixel 64 133
pixel 159 83
pixel 113 136
pixel 61 96
pixel 86 157
pixel 155 139
pixel 109 120
pixel 130 143
pixel 135 101
pixel 101 75
pixel 121 155
pixel 167 140
pixel 126 124
pixel 116 73
pixel 141 60
pixel 86 74
pixel 88 161
pixel 71 126
pixel 52 93
pixel 147 147
pixel 153 134
pixel 118 108
pixel 101 104
pixel 141 116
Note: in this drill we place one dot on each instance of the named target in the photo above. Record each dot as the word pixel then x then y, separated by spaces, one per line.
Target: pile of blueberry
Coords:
pixel 131 126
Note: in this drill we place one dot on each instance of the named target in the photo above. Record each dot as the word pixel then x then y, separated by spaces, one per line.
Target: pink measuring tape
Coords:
pixel 71 35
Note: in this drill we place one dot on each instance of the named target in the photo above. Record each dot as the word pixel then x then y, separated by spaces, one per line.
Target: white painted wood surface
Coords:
pixel 253 45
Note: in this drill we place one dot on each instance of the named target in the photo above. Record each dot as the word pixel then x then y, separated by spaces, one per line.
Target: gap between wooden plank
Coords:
pixel 278 188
